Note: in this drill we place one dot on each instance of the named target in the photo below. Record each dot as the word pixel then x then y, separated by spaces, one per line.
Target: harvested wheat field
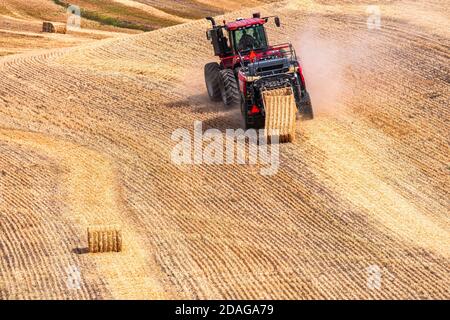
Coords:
pixel 85 140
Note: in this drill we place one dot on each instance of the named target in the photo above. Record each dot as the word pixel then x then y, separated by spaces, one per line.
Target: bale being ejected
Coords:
pixel 249 67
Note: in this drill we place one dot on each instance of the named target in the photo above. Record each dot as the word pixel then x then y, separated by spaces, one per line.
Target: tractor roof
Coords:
pixel 244 23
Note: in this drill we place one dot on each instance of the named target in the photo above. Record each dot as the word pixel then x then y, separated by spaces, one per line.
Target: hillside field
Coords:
pixel 85 139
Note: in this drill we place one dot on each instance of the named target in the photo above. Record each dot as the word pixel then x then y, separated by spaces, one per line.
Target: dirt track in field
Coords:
pixel 86 138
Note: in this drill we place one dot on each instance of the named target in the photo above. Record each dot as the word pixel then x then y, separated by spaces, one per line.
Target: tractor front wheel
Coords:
pixel 255 122
pixel 212 79
pixel 229 88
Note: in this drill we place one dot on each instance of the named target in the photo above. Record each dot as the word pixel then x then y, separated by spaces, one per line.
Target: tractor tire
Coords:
pixel 306 110
pixel 229 89
pixel 212 78
pixel 257 124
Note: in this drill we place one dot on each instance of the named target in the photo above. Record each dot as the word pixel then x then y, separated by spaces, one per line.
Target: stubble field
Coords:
pixel 85 139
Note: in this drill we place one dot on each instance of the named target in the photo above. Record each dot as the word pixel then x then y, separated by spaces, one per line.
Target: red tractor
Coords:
pixel 249 65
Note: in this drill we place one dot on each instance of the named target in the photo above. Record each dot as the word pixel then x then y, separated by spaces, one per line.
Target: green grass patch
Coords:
pixel 111 21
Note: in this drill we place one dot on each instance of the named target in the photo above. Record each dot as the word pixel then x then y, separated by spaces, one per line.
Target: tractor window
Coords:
pixel 251 38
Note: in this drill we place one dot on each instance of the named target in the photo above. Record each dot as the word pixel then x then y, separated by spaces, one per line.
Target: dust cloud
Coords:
pixel 328 65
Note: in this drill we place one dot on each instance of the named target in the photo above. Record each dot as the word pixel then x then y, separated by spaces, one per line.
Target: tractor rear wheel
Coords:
pixel 306 110
pixel 212 79
pixel 229 88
